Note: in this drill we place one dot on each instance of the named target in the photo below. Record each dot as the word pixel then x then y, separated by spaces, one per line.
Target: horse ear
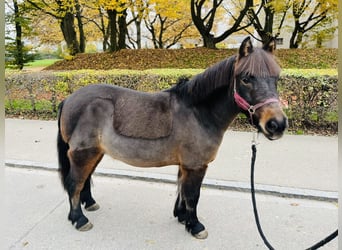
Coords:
pixel 270 46
pixel 246 47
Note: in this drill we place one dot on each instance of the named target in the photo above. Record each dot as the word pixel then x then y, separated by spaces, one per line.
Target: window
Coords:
pixel 279 41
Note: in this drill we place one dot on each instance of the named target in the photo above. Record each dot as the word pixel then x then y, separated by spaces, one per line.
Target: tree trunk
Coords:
pixel 112 30
pixel 105 43
pixel 138 26
pixel 294 43
pixel 80 27
pixel 265 30
pixel 203 29
pixel 149 25
pixel 296 37
pixel 18 39
pixel 205 24
pixel 19 56
pixel 269 20
pixel 161 31
pixel 105 31
pixel 122 30
pixel 69 33
pixel 209 41
pixel 319 42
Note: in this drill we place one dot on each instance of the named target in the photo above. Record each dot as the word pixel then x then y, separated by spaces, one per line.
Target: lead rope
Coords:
pixel 316 246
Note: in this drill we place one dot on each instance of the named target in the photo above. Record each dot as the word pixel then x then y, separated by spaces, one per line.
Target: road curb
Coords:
pixel 330 196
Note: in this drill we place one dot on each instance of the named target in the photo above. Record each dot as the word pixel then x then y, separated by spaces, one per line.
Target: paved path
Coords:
pixel 137 215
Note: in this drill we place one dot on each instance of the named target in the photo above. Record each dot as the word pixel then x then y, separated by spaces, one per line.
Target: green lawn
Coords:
pixel 41 63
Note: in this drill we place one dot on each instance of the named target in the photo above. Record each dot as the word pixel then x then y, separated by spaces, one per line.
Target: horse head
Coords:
pixel 256 73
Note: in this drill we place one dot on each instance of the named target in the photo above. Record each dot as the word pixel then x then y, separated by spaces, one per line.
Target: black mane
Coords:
pixel 201 86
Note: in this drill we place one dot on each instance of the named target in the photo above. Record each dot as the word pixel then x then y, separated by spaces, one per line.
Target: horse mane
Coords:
pixel 201 86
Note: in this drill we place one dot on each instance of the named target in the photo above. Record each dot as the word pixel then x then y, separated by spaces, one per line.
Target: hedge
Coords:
pixel 311 98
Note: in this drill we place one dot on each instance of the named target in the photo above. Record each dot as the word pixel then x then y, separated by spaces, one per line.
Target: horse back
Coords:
pixel 131 113
pixel 143 115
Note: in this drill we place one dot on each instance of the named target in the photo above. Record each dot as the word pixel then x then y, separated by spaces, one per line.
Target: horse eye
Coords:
pixel 245 81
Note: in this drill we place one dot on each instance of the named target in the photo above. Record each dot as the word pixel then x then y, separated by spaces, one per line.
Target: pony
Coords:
pixel 183 126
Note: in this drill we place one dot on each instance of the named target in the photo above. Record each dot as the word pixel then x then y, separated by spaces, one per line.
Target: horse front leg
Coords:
pixel 190 181
pixel 179 210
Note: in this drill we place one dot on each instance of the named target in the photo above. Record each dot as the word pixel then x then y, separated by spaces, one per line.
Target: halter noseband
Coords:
pixel 243 104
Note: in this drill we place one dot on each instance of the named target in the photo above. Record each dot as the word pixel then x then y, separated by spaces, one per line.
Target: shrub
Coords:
pixel 311 97
pixel 312 102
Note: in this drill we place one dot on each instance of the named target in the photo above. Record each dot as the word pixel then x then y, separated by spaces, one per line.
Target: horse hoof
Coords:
pixel 201 235
pixel 86 227
pixel 93 207
pixel 197 230
pixel 181 222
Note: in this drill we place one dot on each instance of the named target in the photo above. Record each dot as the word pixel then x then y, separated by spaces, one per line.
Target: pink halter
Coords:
pixel 243 104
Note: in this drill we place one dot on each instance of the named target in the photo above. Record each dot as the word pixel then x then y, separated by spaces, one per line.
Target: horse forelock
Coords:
pixel 259 63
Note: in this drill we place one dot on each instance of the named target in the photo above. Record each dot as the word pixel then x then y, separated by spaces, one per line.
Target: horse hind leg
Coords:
pixel 190 180
pixel 83 163
pixel 86 197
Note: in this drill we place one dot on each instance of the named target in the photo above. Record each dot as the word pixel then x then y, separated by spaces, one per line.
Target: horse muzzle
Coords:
pixel 272 121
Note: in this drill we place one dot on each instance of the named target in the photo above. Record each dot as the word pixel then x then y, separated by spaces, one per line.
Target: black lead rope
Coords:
pixel 316 246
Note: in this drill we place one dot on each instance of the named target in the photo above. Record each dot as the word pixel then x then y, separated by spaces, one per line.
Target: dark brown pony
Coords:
pixel 183 126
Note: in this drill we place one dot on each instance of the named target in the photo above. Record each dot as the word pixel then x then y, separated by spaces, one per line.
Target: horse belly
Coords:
pixel 140 152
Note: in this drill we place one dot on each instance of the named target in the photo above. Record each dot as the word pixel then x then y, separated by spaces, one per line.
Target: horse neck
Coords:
pixel 217 109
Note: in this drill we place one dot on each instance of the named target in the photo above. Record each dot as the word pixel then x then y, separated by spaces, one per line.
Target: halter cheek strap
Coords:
pixel 244 105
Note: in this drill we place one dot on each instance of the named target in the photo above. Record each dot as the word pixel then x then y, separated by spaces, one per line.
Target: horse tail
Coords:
pixel 62 148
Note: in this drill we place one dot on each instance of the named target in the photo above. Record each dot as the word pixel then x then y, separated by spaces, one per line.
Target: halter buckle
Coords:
pixel 251 110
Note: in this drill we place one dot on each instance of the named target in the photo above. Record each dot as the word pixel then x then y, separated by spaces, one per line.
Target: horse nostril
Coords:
pixel 272 126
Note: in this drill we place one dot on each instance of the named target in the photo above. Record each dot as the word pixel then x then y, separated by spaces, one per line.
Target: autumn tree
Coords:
pixel 78 14
pixel 203 14
pixel 17 54
pixel 309 14
pixel 319 35
pixel 96 23
pixel 65 12
pixel 168 22
pixel 117 26
pixel 267 17
pixel 45 29
pixel 139 10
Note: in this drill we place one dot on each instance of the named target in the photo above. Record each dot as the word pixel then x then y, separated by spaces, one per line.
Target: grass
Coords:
pixel 26 105
pixel 41 63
